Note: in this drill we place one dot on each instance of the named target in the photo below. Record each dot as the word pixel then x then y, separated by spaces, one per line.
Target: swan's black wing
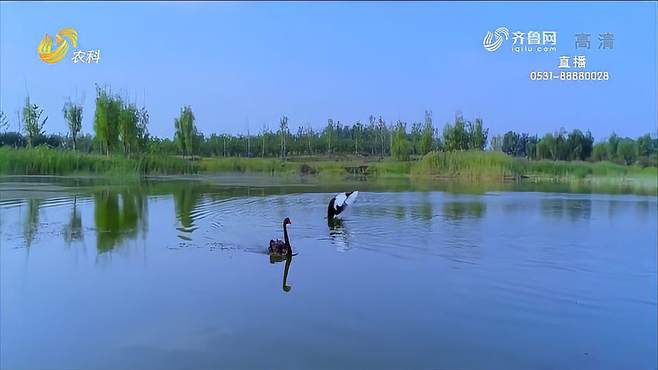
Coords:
pixel 331 208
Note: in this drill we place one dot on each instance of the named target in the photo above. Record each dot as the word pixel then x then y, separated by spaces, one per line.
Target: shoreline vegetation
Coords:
pixel 472 166
pixel 462 150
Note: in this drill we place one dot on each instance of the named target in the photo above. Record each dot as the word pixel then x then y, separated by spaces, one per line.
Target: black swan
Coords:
pixel 339 203
pixel 281 248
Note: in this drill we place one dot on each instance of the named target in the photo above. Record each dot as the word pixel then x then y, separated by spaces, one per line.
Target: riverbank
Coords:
pixel 44 161
pixel 471 166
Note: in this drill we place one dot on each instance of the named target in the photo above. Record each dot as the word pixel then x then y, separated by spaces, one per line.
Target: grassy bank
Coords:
pixel 44 161
pixel 470 166
pixel 321 166
pixel 496 166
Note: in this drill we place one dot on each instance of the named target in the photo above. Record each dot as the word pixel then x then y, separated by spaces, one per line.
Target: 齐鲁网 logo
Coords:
pixel 522 42
pixel 492 41
pixel 62 38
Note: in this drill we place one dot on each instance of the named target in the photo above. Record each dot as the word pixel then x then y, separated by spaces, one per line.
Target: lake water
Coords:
pixel 174 274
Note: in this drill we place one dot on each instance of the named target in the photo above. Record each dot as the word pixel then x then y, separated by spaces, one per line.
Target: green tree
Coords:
pixel 477 135
pixel 328 134
pixel 579 145
pixel 383 132
pixel 627 150
pixel 587 146
pixel 186 132
pixel 546 147
pixel 613 142
pixel 399 144
pixel 143 118
pixel 438 143
pixel 32 122
pixel 283 132
pixel 510 143
pixel 532 145
pixel 357 133
pixel 427 138
pixel 416 134
pixel 73 116
pixel 106 119
pixel 455 137
pixel 600 152
pixel 371 134
pixel 128 121
pixel 645 145
pixel 515 144
pixel 560 146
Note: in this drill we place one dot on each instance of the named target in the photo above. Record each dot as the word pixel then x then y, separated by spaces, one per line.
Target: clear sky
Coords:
pixel 242 65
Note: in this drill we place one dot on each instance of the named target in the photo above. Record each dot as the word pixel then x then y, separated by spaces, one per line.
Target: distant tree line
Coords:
pixel 120 127
pixel 576 145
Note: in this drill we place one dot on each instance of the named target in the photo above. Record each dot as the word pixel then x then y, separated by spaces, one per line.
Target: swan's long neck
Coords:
pixel 285 233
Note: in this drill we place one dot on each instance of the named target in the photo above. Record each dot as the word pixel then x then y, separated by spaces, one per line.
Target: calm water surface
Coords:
pixel 174 274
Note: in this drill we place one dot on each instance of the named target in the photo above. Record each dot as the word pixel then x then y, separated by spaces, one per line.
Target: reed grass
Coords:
pixel 261 165
pixel 45 161
pixel 496 165
pixel 467 164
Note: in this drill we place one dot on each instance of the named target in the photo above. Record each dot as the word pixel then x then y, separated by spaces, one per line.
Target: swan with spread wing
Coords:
pixel 339 203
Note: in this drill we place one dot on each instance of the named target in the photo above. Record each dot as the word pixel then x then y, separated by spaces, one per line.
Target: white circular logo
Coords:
pixel 492 41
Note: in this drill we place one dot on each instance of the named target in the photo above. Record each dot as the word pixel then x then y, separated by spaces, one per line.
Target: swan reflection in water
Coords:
pixel 339 234
pixel 288 259
pixel 335 225
pixel 281 250
pixel 276 258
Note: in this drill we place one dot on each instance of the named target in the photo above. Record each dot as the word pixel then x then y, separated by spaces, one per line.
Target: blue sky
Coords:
pixel 242 65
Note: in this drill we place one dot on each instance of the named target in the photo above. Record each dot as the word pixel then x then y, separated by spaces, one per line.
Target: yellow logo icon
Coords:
pixel 45 46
